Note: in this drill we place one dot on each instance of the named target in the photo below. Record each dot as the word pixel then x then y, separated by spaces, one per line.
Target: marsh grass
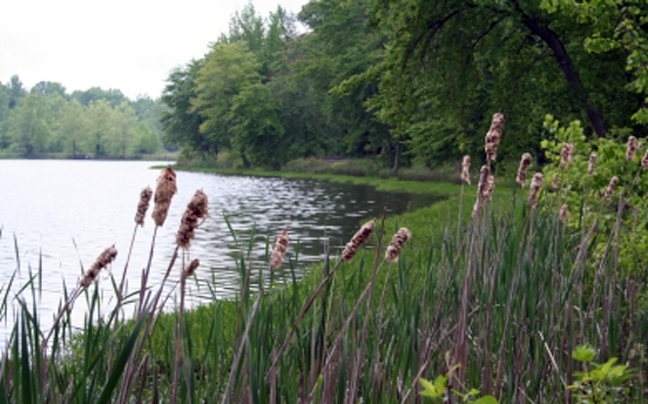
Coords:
pixel 506 295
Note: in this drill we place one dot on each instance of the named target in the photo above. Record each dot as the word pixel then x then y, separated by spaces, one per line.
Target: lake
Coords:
pixel 60 214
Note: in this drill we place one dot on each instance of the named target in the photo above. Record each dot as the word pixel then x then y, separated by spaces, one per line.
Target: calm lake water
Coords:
pixel 60 215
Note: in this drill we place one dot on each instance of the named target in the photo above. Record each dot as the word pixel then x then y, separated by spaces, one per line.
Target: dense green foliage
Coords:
pixel 47 121
pixel 411 80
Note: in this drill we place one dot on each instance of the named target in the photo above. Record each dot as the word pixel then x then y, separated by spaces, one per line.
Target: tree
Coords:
pixel 257 132
pixel 101 127
pixel 181 121
pixel 28 126
pixel 73 130
pixel 228 69
pixel 49 87
pixel 125 126
pixel 16 91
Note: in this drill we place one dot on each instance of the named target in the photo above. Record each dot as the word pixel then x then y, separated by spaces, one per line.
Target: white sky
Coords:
pixel 130 45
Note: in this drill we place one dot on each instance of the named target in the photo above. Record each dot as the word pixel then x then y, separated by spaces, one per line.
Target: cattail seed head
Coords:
pixel 494 136
pixel 563 213
pixel 566 154
pixel 525 162
pixel 359 238
pixel 102 261
pixel 142 206
pixel 396 245
pixel 644 160
pixel 631 150
pixel 190 269
pixel 488 189
pixel 591 164
pixel 164 191
pixel 279 252
pixel 196 210
pixel 555 181
pixel 536 184
pixel 482 189
pixel 614 181
pixel 465 169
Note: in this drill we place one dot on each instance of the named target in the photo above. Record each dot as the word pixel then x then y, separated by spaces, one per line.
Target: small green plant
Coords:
pixel 438 390
pixel 599 383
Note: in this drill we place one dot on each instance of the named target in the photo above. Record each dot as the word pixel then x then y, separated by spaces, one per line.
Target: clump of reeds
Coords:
pixel 494 136
pixel 142 206
pixel 396 245
pixel 525 162
pixel 465 169
pixel 279 252
pixel 591 163
pixel 631 150
pixel 164 191
pixel 614 181
pixel 359 238
pixel 536 184
pixel 102 261
pixel 566 154
pixel 196 211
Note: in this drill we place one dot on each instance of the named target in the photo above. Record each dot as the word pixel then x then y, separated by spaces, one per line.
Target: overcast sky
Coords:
pixel 130 45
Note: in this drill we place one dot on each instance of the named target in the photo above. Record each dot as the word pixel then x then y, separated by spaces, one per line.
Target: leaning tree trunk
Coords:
pixel 569 70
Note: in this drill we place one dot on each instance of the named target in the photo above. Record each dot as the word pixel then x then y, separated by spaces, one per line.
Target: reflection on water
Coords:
pixel 62 214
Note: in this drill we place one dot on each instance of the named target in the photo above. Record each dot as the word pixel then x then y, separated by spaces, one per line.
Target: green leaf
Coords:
pixel 584 353
pixel 435 390
pixel 486 400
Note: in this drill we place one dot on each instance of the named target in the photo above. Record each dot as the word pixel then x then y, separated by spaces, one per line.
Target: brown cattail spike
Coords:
pixel 196 210
pixel 142 206
pixel 396 245
pixel 525 162
pixel 482 189
pixel 566 154
pixel 591 164
pixel 102 261
pixel 465 169
pixel 279 252
pixel 190 269
pixel 359 238
pixel 632 148
pixel 494 136
pixel 555 181
pixel 644 160
pixel 614 181
pixel 536 184
pixel 563 214
pixel 164 191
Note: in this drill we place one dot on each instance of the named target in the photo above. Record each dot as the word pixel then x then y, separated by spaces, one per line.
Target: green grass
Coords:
pixel 507 295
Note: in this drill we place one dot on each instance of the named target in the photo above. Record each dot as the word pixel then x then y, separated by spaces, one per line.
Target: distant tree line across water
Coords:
pixel 399 81
pixel 96 123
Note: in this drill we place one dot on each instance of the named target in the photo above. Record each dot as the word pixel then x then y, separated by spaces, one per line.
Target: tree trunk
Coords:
pixel 569 70
pixel 396 158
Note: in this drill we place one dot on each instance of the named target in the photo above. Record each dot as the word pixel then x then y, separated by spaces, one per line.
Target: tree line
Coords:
pixel 97 123
pixel 410 80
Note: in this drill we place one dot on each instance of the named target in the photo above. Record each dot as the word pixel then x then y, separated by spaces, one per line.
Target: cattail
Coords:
pixel 488 189
pixel 465 169
pixel 189 270
pixel 614 181
pixel 482 189
pixel 494 136
pixel 142 206
pixel 166 188
pixel 555 181
pixel 279 252
pixel 536 184
pixel 196 210
pixel 566 154
pixel 525 162
pixel 644 160
pixel 591 164
pixel 396 245
pixel 359 238
pixel 562 214
pixel 102 261
pixel 632 148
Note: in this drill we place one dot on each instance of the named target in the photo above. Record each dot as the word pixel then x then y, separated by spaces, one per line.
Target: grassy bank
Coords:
pixel 497 302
